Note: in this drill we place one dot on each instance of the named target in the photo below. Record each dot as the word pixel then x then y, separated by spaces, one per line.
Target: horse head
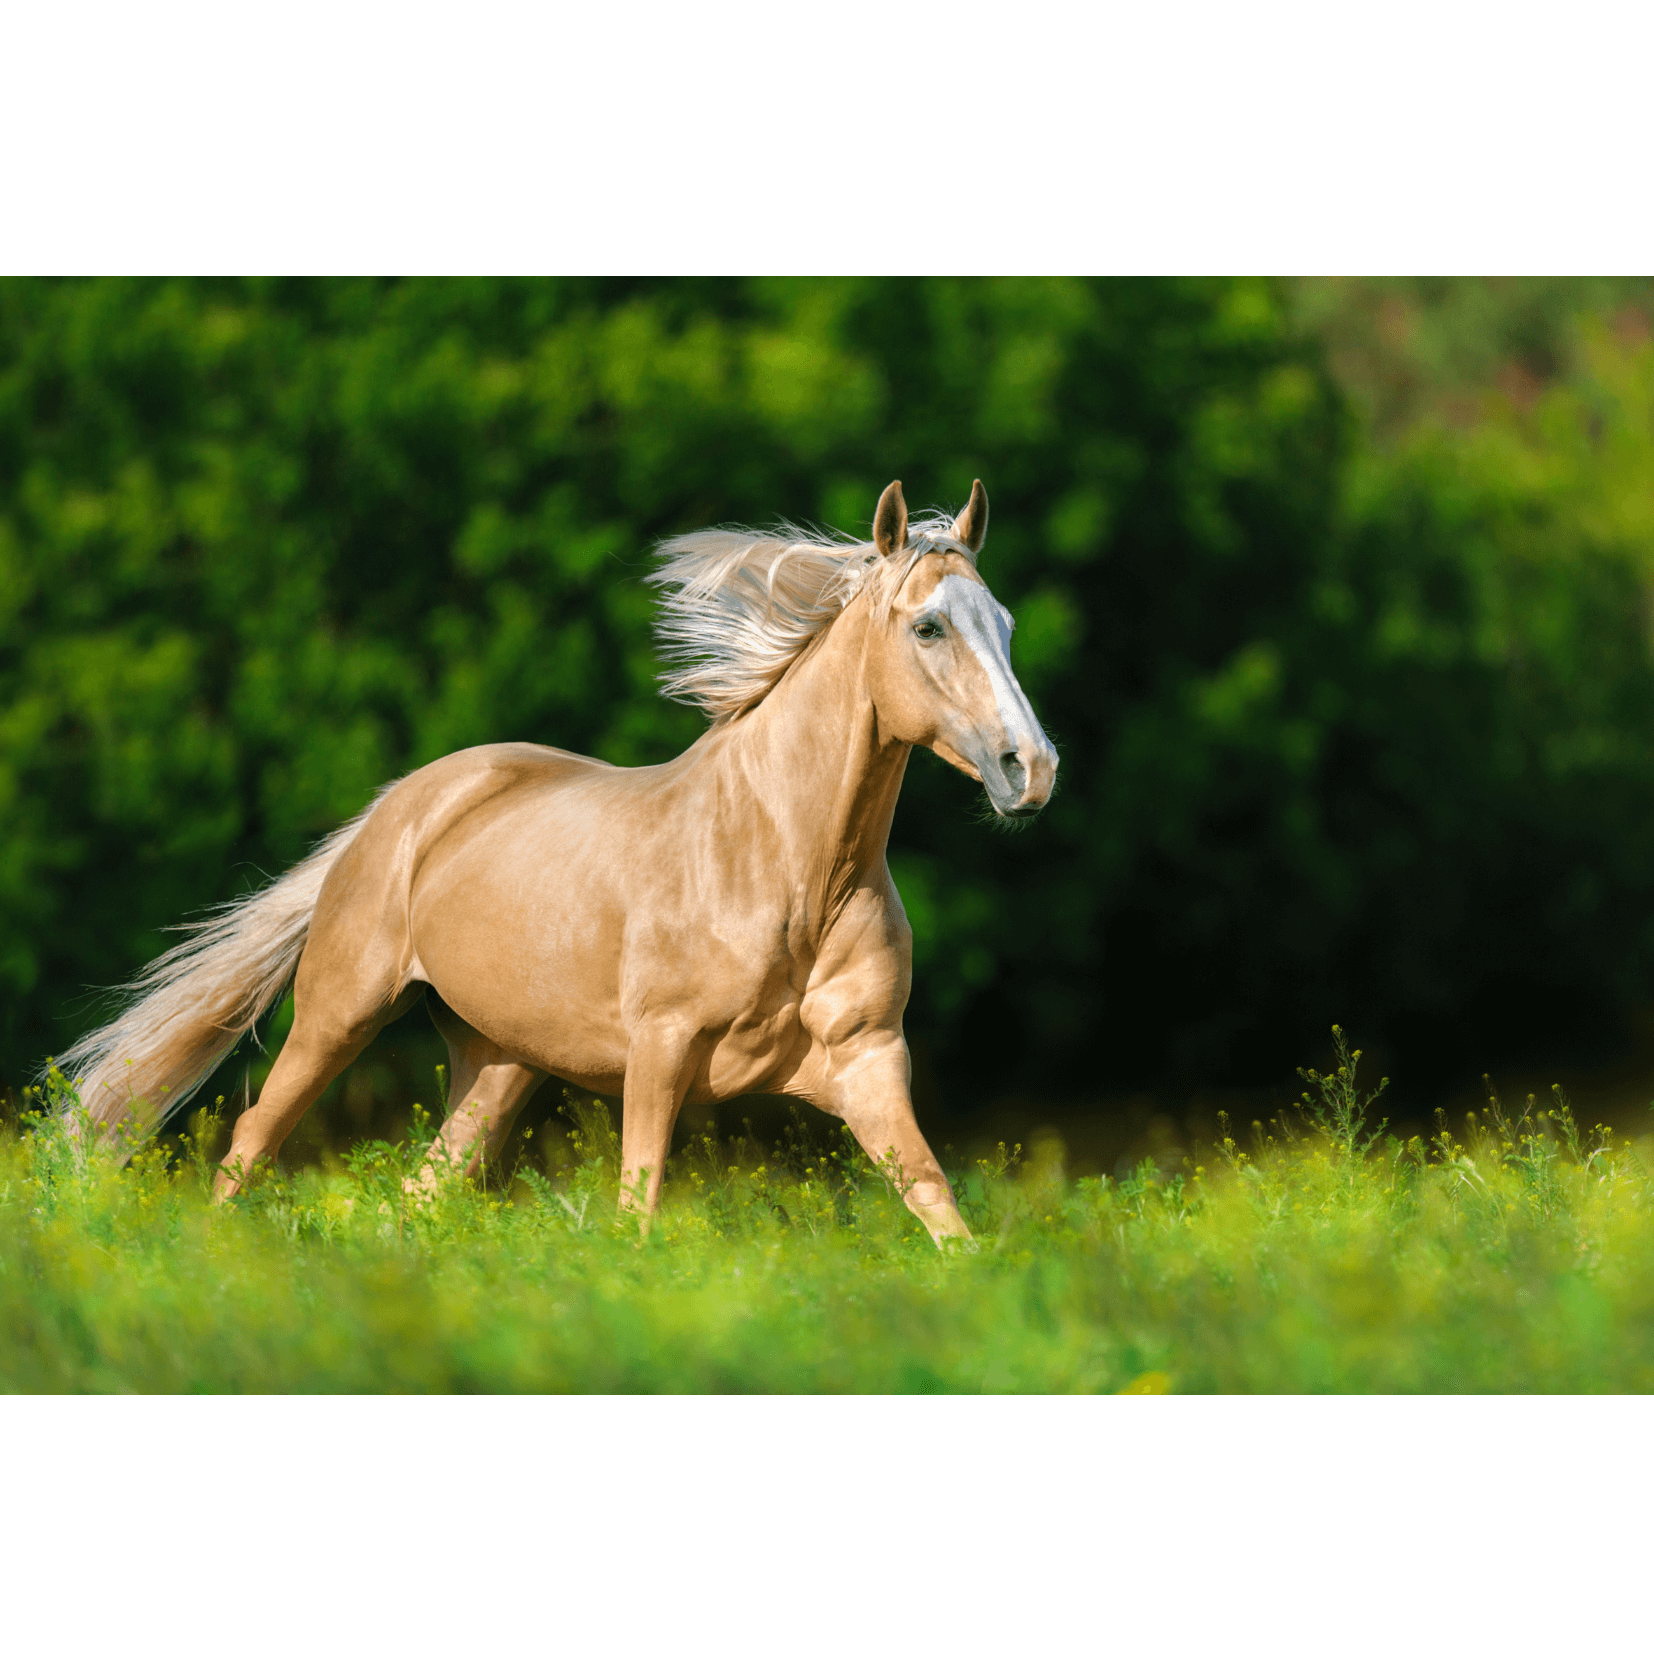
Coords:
pixel 941 675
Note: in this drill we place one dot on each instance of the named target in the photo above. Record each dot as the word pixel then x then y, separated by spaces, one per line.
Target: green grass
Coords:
pixel 1518 1255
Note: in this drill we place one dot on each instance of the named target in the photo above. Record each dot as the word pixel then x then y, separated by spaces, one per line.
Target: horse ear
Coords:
pixel 890 521
pixel 971 525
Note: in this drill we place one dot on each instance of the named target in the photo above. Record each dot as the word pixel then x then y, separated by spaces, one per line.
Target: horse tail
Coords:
pixel 185 1011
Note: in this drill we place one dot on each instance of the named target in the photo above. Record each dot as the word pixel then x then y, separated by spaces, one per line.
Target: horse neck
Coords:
pixel 820 768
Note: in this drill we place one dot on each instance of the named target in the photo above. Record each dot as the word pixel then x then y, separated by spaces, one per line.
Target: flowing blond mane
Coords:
pixel 739 606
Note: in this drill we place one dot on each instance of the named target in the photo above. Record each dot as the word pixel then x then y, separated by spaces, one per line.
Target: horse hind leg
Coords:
pixel 487 1088
pixel 335 1016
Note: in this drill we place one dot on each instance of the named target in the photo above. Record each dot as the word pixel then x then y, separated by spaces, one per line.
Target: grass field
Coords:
pixel 1517 1255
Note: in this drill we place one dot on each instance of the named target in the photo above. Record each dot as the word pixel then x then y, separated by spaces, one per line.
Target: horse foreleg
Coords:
pixel 659 1067
pixel 490 1086
pixel 869 1092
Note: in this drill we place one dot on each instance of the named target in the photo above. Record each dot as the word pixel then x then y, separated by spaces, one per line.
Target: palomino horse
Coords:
pixel 720 924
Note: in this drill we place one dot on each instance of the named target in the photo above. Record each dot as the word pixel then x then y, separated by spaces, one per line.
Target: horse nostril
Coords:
pixel 1013 771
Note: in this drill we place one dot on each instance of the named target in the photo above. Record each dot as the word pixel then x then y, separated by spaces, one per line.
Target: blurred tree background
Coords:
pixel 1333 594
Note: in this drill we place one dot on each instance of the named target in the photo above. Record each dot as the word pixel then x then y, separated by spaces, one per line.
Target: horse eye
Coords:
pixel 928 629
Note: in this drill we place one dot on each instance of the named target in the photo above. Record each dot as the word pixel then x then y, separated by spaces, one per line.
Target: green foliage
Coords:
pixel 1351 703
pixel 1518 1259
pixel 1339 1108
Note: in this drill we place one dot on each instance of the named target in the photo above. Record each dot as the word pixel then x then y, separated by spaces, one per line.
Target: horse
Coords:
pixel 720 924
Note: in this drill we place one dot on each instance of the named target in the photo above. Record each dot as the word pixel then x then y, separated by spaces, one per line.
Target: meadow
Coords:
pixel 1323 1254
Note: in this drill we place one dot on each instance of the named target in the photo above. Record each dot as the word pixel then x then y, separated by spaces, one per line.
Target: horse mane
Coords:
pixel 739 605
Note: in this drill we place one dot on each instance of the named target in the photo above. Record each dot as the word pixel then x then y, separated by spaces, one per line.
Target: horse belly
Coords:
pixel 550 1015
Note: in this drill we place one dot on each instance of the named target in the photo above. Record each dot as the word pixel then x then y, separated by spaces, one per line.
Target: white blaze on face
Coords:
pixel 985 626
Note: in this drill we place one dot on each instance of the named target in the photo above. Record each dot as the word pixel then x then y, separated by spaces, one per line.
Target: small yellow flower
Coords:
pixel 1148 1384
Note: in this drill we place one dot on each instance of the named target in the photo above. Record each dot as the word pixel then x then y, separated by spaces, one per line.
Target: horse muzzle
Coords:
pixel 1020 779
